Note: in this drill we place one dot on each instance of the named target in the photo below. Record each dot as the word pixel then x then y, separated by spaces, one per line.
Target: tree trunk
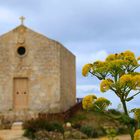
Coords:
pixel 130 127
pixel 125 108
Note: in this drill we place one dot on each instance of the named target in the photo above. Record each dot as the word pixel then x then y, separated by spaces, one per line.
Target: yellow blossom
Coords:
pixel 125 57
pixel 111 57
pixel 99 63
pixel 137 135
pixel 121 55
pixel 100 67
pixel 130 57
pixel 118 63
pixel 86 69
pixel 105 85
pixel 129 53
pixel 102 103
pixel 136 81
pixel 138 58
pixel 87 101
pixel 126 79
pixel 137 114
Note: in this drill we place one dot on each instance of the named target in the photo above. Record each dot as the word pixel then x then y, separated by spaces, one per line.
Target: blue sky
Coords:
pixel 91 29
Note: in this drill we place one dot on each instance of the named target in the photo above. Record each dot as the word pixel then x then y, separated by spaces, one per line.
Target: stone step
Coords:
pixel 17 126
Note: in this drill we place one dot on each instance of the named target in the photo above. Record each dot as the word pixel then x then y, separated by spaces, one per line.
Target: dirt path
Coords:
pixel 11 135
pixel 121 137
pixel 17 135
pixel 124 137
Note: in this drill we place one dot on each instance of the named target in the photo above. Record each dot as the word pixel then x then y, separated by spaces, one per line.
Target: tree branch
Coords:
pixel 134 95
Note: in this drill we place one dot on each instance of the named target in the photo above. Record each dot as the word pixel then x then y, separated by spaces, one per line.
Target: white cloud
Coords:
pixel 86 88
pixel 90 57
pixel 83 90
pixel 99 55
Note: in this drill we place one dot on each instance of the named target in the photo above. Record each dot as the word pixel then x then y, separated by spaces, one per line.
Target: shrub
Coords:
pixel 114 111
pixel 89 131
pixel 55 126
pixel 28 133
pixel 35 125
pixel 111 133
pixel 77 126
pixel 122 130
pixel 77 118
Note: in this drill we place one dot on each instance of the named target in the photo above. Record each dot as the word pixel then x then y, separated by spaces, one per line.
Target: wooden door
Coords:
pixel 20 93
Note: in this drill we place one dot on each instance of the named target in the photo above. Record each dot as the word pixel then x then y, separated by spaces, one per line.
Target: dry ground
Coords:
pixel 122 137
pixel 17 135
pixel 11 135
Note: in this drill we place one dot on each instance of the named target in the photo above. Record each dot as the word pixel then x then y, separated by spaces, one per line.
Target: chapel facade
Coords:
pixel 37 74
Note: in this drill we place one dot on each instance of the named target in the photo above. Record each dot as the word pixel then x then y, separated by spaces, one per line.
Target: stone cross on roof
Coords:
pixel 22 18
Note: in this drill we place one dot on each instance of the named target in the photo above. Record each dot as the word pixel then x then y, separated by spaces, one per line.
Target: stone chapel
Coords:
pixel 37 74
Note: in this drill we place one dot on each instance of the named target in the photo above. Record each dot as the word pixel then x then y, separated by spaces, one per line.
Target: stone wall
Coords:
pixel 68 78
pixel 49 67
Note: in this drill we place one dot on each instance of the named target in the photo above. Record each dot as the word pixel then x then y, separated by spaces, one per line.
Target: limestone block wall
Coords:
pixel 6 73
pixel 49 67
pixel 45 76
pixel 68 78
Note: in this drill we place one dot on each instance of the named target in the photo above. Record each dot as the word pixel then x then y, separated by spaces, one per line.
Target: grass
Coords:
pixel 94 119
pixel 98 121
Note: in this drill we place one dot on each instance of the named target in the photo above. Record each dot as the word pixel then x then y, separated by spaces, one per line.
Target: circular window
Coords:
pixel 21 50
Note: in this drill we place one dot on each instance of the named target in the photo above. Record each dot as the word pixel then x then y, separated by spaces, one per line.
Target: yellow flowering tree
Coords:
pixel 91 102
pixel 137 135
pixel 118 74
pixel 101 104
pixel 88 101
pixel 137 115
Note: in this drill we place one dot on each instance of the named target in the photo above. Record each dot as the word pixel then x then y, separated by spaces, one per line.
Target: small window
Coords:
pixel 21 50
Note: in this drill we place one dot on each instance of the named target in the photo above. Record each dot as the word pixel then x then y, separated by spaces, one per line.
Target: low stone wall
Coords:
pixel 62 116
pixel 9 117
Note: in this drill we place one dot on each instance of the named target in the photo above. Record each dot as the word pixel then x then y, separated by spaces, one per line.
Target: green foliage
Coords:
pixel 111 133
pixel 137 113
pixel 122 130
pixel 118 74
pixel 92 132
pixel 30 134
pixel 77 125
pixel 55 126
pixel 77 118
pixel 88 130
pixel 126 119
pixel 35 125
pixel 101 104
pixel 114 112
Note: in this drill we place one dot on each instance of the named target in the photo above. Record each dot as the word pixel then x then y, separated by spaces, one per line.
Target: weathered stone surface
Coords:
pixel 67 134
pixel 74 134
pixel 45 135
pixel 79 135
pixel 17 126
pixel 48 67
